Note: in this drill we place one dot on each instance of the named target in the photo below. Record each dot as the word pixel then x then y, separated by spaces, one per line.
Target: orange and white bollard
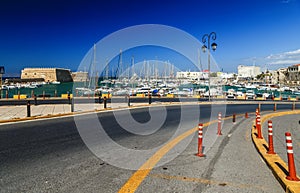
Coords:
pixel 290 154
pixel 219 124
pixel 258 127
pixel 200 137
pixel 256 112
pixel 275 107
pixel 270 134
pixel 246 115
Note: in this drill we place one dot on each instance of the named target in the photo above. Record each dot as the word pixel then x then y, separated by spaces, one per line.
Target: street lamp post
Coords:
pixel 207 37
pixel 1 73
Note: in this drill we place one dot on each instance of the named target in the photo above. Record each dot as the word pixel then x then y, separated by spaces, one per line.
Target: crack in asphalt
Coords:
pixel 209 171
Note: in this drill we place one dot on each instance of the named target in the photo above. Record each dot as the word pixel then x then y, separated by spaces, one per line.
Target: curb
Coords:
pixel 275 163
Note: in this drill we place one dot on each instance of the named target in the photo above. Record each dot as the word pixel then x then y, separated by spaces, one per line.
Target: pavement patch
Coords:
pixel 203 181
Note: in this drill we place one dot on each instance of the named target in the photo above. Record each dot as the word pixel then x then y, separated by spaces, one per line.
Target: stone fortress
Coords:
pixel 53 75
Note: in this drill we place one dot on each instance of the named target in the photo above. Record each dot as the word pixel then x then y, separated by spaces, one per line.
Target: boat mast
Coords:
pixel 106 69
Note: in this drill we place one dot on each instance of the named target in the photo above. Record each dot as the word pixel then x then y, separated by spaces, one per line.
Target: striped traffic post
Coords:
pixel 270 138
pixel 219 123
pixel 290 154
pixel 246 115
pixel 200 137
pixel 258 127
pixel 256 111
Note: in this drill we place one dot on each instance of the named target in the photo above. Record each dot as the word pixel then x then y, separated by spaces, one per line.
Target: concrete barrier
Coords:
pixel 65 96
pixel 140 95
pixel 293 99
pixel 107 95
pixel 21 96
pixel 170 95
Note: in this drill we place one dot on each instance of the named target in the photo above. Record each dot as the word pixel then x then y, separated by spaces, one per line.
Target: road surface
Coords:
pixel 50 156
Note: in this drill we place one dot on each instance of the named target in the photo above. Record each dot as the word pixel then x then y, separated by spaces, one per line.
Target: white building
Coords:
pixel 248 71
pixel 192 75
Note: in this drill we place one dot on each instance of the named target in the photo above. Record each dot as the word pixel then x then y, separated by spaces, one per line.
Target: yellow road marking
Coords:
pixel 138 177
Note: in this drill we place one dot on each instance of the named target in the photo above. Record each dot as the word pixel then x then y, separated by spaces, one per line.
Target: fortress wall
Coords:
pixel 48 74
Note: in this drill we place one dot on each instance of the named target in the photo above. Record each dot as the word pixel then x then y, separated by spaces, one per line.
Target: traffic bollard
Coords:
pixel 150 99
pixel 35 100
pixel 69 98
pixel 275 107
pixel 259 134
pixel 233 118
pixel 294 106
pixel 200 137
pixel 128 101
pixel 246 115
pixel 72 105
pixel 270 134
pixel 28 109
pixel 219 124
pixel 290 154
pixel 104 102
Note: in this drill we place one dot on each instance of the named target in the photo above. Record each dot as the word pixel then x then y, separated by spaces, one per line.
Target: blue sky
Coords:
pixel 55 33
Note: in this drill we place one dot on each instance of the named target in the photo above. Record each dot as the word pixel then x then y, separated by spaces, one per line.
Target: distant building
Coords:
pixel 278 76
pixel 225 75
pixel 80 76
pixel 293 74
pixel 48 74
pixel 248 71
pixel 294 68
pixel 192 75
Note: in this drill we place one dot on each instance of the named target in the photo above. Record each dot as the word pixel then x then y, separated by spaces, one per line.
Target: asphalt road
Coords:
pixel 50 156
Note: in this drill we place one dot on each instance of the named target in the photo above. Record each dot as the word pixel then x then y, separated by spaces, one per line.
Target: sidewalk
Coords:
pixel 287 121
pixel 10 113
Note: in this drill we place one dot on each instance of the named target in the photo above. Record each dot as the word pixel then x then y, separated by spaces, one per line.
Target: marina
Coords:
pixel 155 87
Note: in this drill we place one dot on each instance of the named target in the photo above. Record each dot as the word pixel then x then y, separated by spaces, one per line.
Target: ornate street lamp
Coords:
pixel 207 38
